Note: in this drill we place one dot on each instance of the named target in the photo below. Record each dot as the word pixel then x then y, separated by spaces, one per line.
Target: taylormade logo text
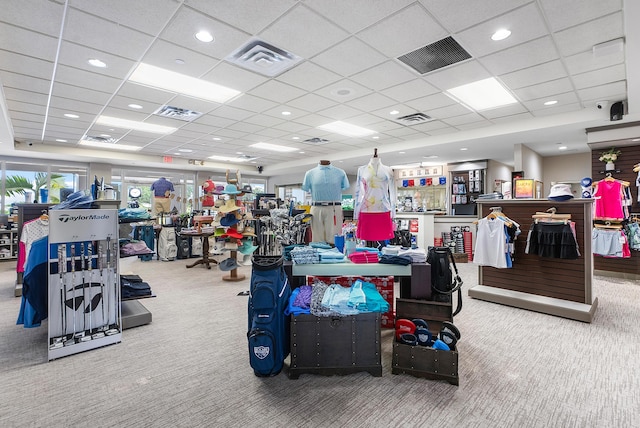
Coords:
pixel 67 218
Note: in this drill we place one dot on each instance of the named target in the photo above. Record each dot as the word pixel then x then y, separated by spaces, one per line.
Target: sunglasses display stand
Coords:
pixel 84 281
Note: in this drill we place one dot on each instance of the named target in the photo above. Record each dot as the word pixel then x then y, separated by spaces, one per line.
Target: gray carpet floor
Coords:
pixel 189 367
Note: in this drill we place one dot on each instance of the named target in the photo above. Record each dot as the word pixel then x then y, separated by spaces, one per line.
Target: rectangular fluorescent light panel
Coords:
pixel 273 147
pixel 111 146
pixel 347 129
pixel 482 95
pixel 167 80
pixel 134 125
pixel 229 158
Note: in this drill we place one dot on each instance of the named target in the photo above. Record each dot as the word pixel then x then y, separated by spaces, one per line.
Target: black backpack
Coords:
pixel 443 280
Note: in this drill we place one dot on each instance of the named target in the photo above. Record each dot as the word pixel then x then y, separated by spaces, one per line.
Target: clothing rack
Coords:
pixel 558 287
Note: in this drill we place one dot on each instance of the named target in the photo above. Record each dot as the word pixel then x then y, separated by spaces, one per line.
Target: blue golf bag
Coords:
pixel 268 332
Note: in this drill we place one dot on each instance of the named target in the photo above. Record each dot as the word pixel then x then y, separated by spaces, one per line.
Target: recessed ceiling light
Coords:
pixel 394 112
pixel 430 157
pixel 375 137
pixel 135 106
pixel 301 153
pixel 402 153
pixel 482 95
pixel 501 34
pixel 60 140
pixel 160 78
pixel 204 36
pixel 295 138
pixel 185 150
pixel 132 124
pixel 550 102
pixel 72 116
pixel 347 129
pixel 105 135
pixel 464 149
pixel 217 139
pixel 111 146
pixel 273 147
pixel 562 148
pixel 238 153
pixel 179 61
pixel 177 154
pixel 97 63
pixel 636 139
pixel 286 113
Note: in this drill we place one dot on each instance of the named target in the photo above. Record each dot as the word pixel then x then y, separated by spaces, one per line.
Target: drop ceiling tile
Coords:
pixel 244 127
pixel 344 91
pixel 272 133
pixel 252 103
pixel 19 40
pixel 311 103
pixel 349 57
pixel 567 98
pixel 308 76
pixel 568 13
pixel 319 33
pixel 264 121
pixel 604 91
pixel 473 125
pixel 144 95
pixel 507 111
pixel 373 101
pixel 24 82
pixel 276 112
pixel 565 108
pixel 13 94
pixel 444 113
pixel 234 77
pixel 546 89
pixel 385 113
pixel 526 24
pixel 366 120
pixel 19 106
pixel 549 71
pixel 585 61
pixel 383 76
pixel 214 121
pixel 600 77
pixel 122 41
pixel 37 16
pixel 81 107
pixel 164 54
pixel 244 15
pixel 292 127
pixel 143 15
pixel 467 118
pixel 21 64
pixel 457 74
pixel 277 91
pixel 424 30
pixel 512 118
pixel 522 56
pixel 340 112
pixel 233 113
pixel 86 78
pixel 355 15
pixel 456 15
pixel 430 102
pixel 187 22
pixel 583 37
pixel 410 90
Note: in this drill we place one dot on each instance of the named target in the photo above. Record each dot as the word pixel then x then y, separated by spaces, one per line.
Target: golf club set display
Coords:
pixel 84 284
pixel 280 229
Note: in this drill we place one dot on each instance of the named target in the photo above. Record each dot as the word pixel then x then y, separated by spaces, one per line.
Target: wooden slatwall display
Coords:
pixel 624 171
pixel 554 286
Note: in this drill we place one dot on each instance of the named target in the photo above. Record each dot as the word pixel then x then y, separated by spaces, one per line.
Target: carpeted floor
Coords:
pixel 189 367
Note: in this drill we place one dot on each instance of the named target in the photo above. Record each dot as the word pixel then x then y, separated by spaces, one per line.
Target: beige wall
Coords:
pixel 566 169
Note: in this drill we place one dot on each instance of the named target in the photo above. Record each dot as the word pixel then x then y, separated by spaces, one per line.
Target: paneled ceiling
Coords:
pixel 347 70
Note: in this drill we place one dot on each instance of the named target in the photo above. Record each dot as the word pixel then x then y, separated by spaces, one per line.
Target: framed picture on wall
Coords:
pixel 524 188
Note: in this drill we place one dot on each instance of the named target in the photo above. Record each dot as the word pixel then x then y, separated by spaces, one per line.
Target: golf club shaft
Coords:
pixel 90 269
pixel 63 291
pixel 116 282
pixel 84 286
pixel 101 267
pixel 73 284
pixel 108 281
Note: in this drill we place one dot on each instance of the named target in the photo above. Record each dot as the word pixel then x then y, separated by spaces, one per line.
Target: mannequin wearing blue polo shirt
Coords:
pixel 326 183
pixel 161 188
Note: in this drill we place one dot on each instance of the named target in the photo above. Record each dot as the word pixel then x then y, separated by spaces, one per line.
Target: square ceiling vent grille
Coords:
pixel 414 119
pixel 177 113
pixel 262 57
pixel 436 55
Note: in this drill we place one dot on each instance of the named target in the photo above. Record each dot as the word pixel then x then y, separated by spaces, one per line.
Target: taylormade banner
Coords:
pixel 81 225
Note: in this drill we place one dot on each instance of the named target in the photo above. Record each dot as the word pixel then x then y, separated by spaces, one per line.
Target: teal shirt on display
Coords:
pixel 326 183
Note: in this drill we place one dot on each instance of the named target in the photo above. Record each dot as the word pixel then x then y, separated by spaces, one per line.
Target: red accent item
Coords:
pixel 437 242
pixel 413 226
pixel 411 183
pixel 429 181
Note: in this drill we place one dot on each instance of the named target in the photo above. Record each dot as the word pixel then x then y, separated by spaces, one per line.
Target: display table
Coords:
pixel 205 260
pixel 415 279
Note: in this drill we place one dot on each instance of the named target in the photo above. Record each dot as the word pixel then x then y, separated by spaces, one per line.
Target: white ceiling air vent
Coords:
pixel 413 119
pixel 262 57
pixel 436 55
pixel 97 139
pixel 316 141
pixel 177 113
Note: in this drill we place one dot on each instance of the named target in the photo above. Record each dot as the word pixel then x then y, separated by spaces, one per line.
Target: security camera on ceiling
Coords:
pixel 601 104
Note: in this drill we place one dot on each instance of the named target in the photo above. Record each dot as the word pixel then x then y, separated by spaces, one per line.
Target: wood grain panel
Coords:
pixel 557 278
pixel 624 171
